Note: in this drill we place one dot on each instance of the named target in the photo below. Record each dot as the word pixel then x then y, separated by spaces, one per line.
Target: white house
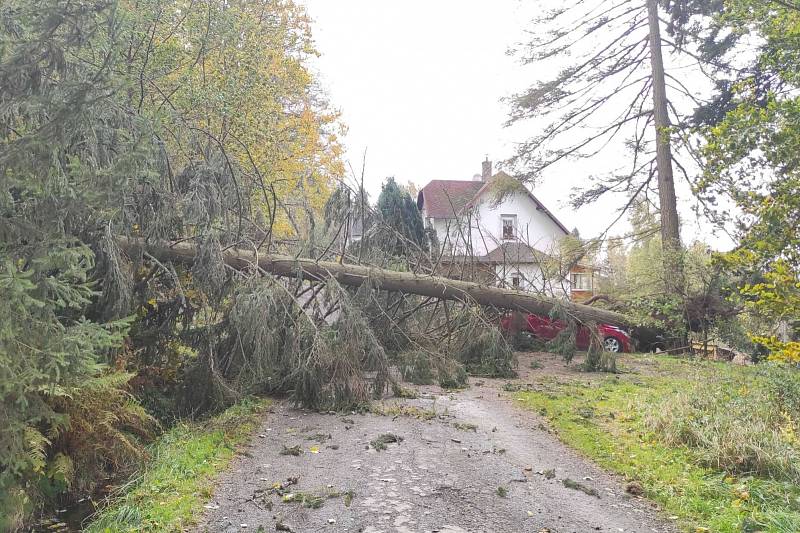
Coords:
pixel 497 227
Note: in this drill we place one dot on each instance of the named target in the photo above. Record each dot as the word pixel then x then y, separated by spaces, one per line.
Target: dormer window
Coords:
pixel 509 227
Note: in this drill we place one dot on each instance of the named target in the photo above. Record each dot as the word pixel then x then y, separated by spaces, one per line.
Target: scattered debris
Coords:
pixel 315 500
pixel 332 446
pixel 574 485
pixel 456 441
pixel 349 421
pixel 465 426
pixel 404 392
pixel 384 439
pixel 311 501
pixel 294 450
pixel 320 437
pixel 549 474
pixel 634 488
pixel 279 487
pixel 280 526
pixel 396 410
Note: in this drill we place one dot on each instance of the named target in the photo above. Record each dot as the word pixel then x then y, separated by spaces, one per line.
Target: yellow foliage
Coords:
pixel 235 73
pixel 785 352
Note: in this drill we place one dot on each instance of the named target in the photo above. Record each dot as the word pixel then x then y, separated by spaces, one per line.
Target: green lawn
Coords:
pixel 179 477
pixel 603 417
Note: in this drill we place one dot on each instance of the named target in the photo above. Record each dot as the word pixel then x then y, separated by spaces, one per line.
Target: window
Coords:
pixel 515 281
pixel 509 227
pixel 581 281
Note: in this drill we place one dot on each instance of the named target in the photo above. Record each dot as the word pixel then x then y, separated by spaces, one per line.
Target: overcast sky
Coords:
pixel 420 85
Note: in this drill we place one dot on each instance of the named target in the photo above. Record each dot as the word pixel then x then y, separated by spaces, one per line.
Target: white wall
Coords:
pixel 481 232
pixel 531 280
pixel 534 227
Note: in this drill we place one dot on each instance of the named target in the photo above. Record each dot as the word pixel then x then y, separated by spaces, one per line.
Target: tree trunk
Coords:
pixel 670 224
pixel 388 280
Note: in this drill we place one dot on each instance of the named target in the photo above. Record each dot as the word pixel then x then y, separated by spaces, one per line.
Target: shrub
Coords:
pixel 486 352
pixel 451 374
pixel 273 345
pixel 416 367
pixel 598 359
pixel 97 430
pixel 523 341
pixel 63 419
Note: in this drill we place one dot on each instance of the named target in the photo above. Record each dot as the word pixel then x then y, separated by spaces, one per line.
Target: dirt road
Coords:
pixel 505 475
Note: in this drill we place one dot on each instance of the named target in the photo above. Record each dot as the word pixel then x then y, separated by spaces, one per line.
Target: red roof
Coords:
pixel 446 198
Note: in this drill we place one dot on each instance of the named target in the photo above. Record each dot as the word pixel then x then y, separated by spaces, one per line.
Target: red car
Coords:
pixel 542 327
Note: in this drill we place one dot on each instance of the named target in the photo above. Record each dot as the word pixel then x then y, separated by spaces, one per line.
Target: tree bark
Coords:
pixel 388 280
pixel 670 224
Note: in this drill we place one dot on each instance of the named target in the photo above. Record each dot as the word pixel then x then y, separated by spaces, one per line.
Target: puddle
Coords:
pixel 69 519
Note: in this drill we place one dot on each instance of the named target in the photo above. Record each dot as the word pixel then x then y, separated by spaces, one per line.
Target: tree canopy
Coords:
pixel 749 156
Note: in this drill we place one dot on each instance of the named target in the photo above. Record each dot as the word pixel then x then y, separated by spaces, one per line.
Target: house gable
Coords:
pixel 485 190
pixel 516 216
pixel 511 234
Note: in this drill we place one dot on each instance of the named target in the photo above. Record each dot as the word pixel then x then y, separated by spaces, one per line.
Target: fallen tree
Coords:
pixel 389 280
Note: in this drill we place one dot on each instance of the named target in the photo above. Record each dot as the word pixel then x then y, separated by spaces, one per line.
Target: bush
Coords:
pixel 486 352
pixel 169 492
pixel 273 345
pixel 524 341
pixel 563 344
pixel 415 367
pixel 98 431
pixel 743 426
pixel 598 359
pixel 451 374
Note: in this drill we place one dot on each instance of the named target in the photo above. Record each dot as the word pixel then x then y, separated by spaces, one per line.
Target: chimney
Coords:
pixel 486 170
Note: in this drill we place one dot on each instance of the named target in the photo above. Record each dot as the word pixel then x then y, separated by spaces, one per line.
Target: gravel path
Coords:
pixel 441 477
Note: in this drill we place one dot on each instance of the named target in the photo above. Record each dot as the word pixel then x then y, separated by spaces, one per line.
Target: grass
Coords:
pixel 179 477
pixel 619 422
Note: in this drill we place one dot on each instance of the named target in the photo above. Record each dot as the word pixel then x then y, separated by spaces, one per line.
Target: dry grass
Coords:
pixel 714 444
pixel 744 425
